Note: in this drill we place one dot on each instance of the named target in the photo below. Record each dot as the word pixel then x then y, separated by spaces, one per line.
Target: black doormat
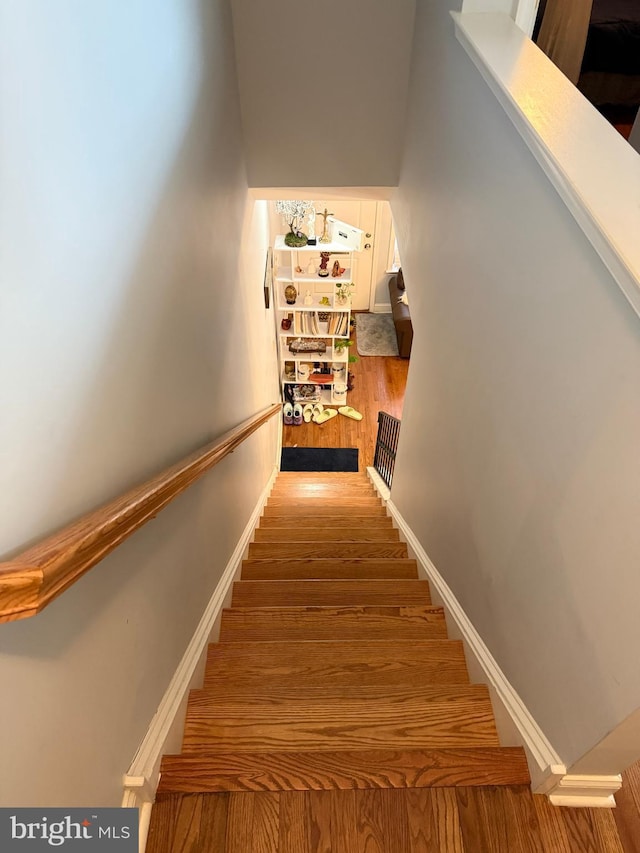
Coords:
pixel 319 459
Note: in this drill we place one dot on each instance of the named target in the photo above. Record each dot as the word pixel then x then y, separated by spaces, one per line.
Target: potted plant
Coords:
pixel 339 346
pixel 343 292
pixel 294 212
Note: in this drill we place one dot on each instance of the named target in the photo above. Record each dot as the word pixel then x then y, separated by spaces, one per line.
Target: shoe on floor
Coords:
pixel 297 414
pixel 287 414
pixel 348 412
pixel 317 411
pixel 326 415
pixel 307 413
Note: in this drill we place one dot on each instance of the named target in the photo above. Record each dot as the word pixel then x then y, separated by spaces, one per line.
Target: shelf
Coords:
pixel 286 273
pixel 316 305
pixel 329 356
pixel 306 323
pixel 334 248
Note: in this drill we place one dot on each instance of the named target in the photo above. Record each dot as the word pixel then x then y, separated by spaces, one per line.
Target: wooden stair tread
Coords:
pixel 309 569
pixel 217 724
pixel 325 534
pixel 315 663
pixel 327 550
pixel 329 592
pixel 401 622
pixel 343 769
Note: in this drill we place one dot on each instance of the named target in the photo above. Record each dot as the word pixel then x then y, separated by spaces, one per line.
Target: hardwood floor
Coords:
pixel 379 386
pixel 627 813
pixel 417 820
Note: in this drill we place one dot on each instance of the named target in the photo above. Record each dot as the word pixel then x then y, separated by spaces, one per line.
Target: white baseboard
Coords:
pixel 516 725
pixel 586 791
pixel 379 484
pixel 381 308
pixel 164 734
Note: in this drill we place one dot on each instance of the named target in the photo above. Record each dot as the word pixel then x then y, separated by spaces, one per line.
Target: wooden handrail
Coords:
pixel 32 579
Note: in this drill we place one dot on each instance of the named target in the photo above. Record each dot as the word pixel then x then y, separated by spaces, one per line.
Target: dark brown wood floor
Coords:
pixel 426 820
pixel 379 386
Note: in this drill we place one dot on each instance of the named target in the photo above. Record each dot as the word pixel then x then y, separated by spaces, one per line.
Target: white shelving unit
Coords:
pixel 314 376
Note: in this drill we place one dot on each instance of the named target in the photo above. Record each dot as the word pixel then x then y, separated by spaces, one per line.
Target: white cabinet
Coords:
pixel 313 364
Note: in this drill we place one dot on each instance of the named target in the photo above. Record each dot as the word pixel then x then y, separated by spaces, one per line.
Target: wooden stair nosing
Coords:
pixel 329 592
pixel 314 663
pixel 309 569
pixel 343 770
pixel 330 534
pixel 300 623
pixel 216 724
pixel 327 550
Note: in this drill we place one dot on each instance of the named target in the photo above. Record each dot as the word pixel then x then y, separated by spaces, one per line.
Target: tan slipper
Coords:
pixel 307 413
pixel 348 412
pixel 325 416
pixel 318 409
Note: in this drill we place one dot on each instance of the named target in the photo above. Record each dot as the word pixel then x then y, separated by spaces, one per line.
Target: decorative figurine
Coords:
pixel 311 236
pixel 337 270
pixel 325 231
pixel 323 272
pixel 308 298
pixel 290 294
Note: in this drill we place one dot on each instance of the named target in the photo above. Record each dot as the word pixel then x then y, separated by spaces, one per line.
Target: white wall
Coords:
pixel 132 330
pixel 323 90
pixel 518 465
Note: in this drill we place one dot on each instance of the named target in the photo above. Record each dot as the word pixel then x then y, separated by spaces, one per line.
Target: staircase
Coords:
pixel 333 687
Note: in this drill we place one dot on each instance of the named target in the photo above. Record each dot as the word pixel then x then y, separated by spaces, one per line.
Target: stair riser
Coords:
pixel 423 726
pixel 344 770
pixel 336 623
pixel 330 534
pixel 327 550
pixel 337 502
pixel 329 593
pixel 329 570
pixel 309 697
pixel 344 663
pixel 323 522
pixel 343 491
pixel 284 511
